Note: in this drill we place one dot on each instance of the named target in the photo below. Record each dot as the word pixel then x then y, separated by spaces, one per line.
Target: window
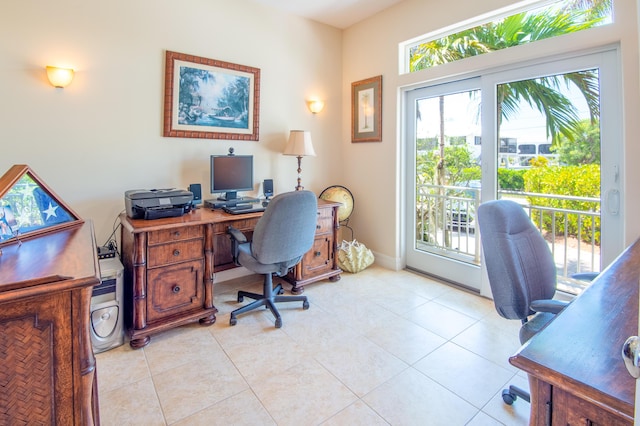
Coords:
pixel 552 20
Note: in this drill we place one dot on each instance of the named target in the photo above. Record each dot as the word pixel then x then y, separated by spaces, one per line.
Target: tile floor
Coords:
pixel 375 348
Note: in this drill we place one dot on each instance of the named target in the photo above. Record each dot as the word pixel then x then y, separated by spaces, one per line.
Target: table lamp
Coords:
pixel 299 145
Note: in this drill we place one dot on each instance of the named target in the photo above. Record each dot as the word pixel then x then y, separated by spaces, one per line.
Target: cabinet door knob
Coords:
pixel 176 289
pixel 176 252
pixel 317 253
pixel 318 226
pixel 177 233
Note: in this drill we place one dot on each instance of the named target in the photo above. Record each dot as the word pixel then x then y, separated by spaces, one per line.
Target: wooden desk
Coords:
pixel 46 359
pixel 169 265
pixel 576 372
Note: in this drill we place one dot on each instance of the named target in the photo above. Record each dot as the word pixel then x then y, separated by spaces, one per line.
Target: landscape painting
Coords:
pixel 206 98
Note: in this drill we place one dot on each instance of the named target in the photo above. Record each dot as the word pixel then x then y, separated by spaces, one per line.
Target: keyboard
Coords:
pixel 244 208
pixel 218 204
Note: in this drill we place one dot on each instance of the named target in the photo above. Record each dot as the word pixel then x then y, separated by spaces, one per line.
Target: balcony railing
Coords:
pixel 446 225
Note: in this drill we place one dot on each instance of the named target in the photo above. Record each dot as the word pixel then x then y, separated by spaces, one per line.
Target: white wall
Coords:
pixel 102 135
pixel 374 172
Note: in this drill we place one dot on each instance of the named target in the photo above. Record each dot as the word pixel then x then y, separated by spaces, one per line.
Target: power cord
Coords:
pixel 110 248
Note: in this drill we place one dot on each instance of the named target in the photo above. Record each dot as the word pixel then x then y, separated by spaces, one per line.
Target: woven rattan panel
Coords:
pixel 26 385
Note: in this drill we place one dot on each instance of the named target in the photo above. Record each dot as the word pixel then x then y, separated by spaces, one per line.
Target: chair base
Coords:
pixel 268 299
pixel 510 395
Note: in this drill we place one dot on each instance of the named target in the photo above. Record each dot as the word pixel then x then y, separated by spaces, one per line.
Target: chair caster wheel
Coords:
pixel 278 322
pixel 305 305
pixel 508 397
pixel 280 291
pixel 233 321
pixel 240 299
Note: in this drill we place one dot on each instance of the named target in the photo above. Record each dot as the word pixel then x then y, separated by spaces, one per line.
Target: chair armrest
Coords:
pixel 585 276
pixel 236 235
pixel 237 238
pixel 551 306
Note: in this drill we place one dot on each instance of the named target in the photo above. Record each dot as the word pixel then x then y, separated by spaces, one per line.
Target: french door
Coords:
pixel 463 148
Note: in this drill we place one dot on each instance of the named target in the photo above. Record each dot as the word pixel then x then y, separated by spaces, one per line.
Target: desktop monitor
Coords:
pixel 231 174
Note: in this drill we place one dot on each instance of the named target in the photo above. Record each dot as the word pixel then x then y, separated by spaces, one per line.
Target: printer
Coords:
pixel 157 203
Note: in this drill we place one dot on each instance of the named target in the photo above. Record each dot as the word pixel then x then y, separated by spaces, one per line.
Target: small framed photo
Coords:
pixel 211 99
pixel 366 110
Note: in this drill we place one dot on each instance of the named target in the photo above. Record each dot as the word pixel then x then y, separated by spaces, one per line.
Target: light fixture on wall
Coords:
pixel 315 106
pixel 59 77
pixel 300 145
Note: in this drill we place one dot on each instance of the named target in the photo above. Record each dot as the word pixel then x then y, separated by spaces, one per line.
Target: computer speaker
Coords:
pixel 196 189
pixel 267 188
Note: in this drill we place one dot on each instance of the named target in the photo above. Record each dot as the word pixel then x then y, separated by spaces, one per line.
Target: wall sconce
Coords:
pixel 315 106
pixel 59 77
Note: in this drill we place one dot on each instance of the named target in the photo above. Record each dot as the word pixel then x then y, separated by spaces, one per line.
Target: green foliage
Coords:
pixel 583 181
pixel 584 148
pixel 459 164
pixel 510 179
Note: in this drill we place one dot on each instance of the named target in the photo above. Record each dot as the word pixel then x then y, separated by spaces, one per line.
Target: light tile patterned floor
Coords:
pixel 375 348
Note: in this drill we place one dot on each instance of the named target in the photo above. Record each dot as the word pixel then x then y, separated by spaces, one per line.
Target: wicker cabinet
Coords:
pixel 320 262
pixel 48 367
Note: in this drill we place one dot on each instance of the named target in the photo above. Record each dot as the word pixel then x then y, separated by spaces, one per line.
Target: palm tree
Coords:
pixel 543 93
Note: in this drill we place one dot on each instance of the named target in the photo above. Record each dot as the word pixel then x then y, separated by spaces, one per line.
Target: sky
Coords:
pixel 462 118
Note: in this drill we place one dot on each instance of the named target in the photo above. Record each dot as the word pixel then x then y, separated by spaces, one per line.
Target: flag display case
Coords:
pixel 29 208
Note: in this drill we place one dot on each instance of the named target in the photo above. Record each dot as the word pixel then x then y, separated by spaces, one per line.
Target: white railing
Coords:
pixel 446 225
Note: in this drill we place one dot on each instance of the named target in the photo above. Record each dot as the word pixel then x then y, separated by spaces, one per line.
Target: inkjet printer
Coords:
pixel 157 203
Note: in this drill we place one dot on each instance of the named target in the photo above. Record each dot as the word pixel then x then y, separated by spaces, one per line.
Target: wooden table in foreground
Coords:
pixel 576 371
pixel 170 264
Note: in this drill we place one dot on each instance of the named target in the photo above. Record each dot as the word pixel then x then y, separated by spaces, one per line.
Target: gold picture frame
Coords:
pixel 366 110
pixel 210 99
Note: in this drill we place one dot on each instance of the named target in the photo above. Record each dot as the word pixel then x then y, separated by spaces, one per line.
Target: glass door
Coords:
pixel 546 135
pixel 443 181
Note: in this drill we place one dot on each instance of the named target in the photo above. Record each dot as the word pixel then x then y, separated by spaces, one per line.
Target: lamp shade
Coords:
pixel 59 77
pixel 300 144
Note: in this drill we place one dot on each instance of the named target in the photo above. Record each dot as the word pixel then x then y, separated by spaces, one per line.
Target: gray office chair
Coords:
pixel 281 237
pixel 521 270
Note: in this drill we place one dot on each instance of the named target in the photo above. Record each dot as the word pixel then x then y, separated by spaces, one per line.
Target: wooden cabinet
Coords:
pixel 576 372
pixel 168 281
pixel 48 367
pixel 320 262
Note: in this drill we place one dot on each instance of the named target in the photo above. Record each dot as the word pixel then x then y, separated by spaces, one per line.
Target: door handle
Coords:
pixel 612 201
pixel 631 355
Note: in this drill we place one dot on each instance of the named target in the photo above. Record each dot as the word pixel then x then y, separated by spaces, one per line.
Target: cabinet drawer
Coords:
pixel 180 251
pixel 325 221
pixel 318 259
pixel 175 234
pixel 241 224
pixel 174 289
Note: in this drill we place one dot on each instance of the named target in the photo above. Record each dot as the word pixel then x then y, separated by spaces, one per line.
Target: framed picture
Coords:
pixel 207 98
pixel 366 110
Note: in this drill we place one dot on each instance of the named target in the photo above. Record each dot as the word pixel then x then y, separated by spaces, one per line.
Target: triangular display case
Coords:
pixel 29 208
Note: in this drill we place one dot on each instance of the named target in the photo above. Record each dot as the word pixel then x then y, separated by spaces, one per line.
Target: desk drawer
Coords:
pixel 325 221
pixel 175 234
pixel 179 251
pixel 174 289
pixel 241 224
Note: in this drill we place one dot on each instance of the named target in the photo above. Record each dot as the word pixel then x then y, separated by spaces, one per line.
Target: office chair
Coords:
pixel 521 270
pixel 284 233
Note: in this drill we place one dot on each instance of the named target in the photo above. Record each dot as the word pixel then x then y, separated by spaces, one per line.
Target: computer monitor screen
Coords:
pixel 231 174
